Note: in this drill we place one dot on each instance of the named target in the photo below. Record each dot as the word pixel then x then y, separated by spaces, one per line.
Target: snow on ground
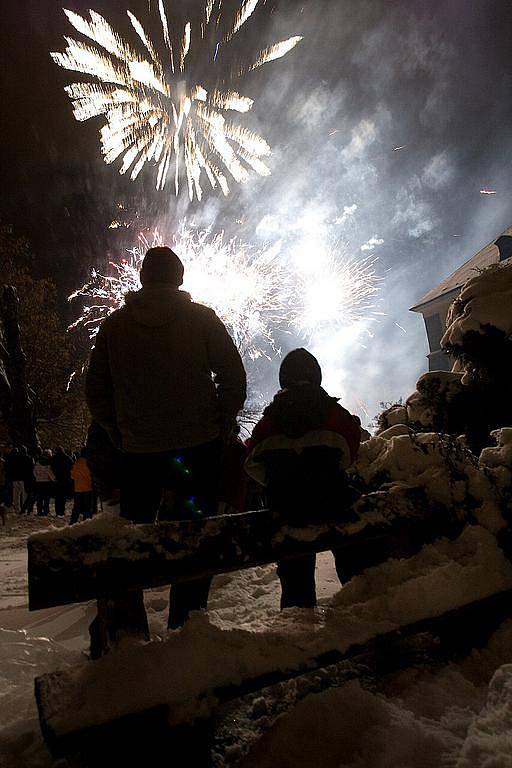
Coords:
pixel 32 644
pixel 451 717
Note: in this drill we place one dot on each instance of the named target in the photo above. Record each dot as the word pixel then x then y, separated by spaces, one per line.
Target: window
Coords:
pixel 434 331
pixel 504 244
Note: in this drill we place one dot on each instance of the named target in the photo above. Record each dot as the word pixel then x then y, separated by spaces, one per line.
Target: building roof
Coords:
pixel 488 255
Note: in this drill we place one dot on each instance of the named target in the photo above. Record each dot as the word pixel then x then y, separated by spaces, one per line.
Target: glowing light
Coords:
pixel 247 288
pixel 334 292
pixel 488 192
pixel 167 110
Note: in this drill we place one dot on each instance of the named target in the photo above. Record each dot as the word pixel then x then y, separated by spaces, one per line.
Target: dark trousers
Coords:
pixel 297 577
pixel 82 505
pixel 28 506
pixel 43 495
pixel 173 485
pixel 61 494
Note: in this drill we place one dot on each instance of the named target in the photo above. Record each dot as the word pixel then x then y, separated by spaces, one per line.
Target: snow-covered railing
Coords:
pixel 108 555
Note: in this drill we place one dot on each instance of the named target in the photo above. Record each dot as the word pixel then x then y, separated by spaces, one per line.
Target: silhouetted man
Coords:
pixel 166 382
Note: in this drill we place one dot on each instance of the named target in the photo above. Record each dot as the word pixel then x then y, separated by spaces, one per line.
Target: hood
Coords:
pixel 155 305
pixel 300 408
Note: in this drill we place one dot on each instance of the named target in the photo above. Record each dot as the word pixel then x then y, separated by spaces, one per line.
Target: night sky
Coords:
pixel 370 75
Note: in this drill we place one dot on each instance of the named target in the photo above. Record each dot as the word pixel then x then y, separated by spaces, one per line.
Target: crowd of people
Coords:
pixel 30 482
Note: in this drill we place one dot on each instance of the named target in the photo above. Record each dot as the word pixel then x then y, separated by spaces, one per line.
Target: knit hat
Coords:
pixel 299 366
pixel 161 265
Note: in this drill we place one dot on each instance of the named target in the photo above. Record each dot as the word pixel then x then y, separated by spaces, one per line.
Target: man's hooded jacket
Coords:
pixel 150 383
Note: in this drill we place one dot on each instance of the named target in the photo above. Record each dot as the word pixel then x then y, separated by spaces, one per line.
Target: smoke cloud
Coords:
pixel 380 144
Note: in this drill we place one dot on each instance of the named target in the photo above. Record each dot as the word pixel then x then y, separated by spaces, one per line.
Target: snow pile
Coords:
pixel 489 740
pixel 203 656
pixel 245 633
pixel 436 392
pixel 501 456
pixel 21 657
pixel 437 465
pixel 439 404
pixel 485 300
pixel 419 719
pixel 444 575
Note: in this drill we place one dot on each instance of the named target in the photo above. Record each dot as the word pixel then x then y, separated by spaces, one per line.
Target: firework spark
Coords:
pixel 159 102
pixel 333 291
pixel 246 288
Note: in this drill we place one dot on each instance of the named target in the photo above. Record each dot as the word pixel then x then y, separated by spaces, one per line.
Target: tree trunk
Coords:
pixel 15 401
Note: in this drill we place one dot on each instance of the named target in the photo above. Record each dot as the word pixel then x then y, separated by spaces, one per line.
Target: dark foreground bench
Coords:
pixel 107 556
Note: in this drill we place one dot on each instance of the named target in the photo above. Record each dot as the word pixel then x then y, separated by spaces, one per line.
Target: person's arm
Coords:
pixel 226 363
pixel 346 426
pixel 99 390
pixel 255 465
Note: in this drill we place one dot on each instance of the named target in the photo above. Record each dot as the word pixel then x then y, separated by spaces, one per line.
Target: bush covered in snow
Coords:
pixel 443 472
pixel 478 336
pixel 473 399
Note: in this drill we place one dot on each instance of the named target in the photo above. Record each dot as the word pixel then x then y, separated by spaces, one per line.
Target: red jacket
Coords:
pixel 301 447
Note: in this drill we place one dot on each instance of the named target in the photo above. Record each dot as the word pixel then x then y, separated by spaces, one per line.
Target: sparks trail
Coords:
pixel 164 102
pixel 339 293
pixel 247 288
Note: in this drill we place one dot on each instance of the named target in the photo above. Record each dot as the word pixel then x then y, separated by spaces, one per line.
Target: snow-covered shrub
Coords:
pixel 440 403
pixel 485 302
pixel 478 336
pixel 473 399
pixel 390 416
pixel 444 472
pixel 496 463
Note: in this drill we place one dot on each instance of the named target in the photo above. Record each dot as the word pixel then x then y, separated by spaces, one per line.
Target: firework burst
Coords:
pixel 333 291
pixel 162 102
pixel 246 288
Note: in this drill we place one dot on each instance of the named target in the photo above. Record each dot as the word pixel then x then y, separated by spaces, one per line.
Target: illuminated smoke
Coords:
pixel 246 288
pixel 333 289
pixel 257 293
pixel 161 102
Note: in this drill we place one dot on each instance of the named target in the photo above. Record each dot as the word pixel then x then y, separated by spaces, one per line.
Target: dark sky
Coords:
pixel 369 76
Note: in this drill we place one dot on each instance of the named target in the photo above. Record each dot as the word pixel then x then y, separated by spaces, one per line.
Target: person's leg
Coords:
pixel 23 496
pixel 87 505
pixel 16 495
pixel 346 568
pixel 142 483
pixel 46 500
pixel 187 597
pixel 141 492
pixel 39 499
pixel 26 508
pixel 75 512
pixel 297 577
pixel 60 500
pixel 196 490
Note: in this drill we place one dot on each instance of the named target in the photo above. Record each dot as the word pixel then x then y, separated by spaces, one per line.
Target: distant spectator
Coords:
pixel 45 480
pixel 30 488
pixel 61 465
pixel 3 480
pixel 8 457
pixel 20 470
pixel 83 496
